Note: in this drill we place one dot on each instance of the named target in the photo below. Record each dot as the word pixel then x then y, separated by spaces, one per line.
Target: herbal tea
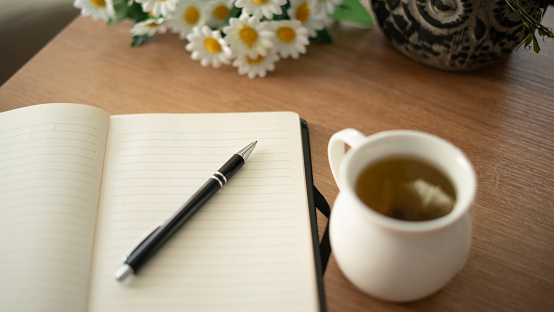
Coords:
pixel 406 189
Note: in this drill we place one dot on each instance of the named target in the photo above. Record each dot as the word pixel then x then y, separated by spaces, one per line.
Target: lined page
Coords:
pixel 51 164
pixel 248 249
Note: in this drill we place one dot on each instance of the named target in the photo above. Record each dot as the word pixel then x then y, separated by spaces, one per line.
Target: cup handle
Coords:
pixel 336 149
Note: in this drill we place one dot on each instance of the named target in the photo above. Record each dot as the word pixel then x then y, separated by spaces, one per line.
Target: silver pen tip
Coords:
pixel 246 151
pixel 123 272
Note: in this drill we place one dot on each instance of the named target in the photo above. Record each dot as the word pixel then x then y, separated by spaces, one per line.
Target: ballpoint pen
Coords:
pixel 151 243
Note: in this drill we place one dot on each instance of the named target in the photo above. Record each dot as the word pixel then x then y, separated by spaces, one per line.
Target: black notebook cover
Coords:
pixel 312 207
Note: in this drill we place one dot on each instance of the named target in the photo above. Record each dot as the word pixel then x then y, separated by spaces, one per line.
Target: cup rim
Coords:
pixel 461 205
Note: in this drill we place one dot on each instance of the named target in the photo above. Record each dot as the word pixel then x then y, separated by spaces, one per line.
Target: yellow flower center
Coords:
pixel 151 24
pixel 98 3
pixel 286 34
pixel 256 60
pixel 191 15
pixel 248 36
pixel 212 45
pixel 303 12
pixel 221 12
pixel 259 1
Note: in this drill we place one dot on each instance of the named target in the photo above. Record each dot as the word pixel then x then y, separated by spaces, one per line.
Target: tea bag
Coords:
pixel 417 200
pixel 434 201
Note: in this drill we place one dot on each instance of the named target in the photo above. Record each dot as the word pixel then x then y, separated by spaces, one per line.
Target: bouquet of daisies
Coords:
pixel 251 35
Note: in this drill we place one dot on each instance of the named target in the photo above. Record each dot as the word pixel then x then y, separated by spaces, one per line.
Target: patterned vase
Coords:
pixel 453 35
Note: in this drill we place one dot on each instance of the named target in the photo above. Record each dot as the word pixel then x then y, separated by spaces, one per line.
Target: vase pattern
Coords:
pixel 455 35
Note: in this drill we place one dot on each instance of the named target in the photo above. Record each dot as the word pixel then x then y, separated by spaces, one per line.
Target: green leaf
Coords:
pixel 536 46
pixel 352 11
pixel 121 11
pixel 323 36
pixel 136 13
pixel 138 40
pixel 526 42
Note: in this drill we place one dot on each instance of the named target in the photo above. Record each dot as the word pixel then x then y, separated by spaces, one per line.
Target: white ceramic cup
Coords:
pixel 388 258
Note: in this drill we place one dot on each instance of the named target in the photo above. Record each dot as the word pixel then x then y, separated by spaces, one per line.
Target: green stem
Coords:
pixel 532 24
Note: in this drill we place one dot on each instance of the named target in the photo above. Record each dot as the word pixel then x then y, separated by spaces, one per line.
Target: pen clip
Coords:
pixel 139 244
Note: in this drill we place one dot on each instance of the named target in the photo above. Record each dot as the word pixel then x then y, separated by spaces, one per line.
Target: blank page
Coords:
pixel 51 165
pixel 248 249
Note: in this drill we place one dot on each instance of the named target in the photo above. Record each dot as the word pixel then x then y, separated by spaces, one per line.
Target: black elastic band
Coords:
pixel 324 245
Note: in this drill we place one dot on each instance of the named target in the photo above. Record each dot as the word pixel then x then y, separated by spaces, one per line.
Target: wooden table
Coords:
pixel 502 117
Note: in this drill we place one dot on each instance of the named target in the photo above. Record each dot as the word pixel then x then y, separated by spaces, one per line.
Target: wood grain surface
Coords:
pixel 502 117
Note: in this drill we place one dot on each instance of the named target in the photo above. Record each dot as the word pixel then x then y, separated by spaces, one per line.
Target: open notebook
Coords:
pixel 78 189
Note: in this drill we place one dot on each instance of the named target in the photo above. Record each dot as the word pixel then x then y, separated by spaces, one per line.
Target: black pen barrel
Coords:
pixel 232 166
pixel 157 238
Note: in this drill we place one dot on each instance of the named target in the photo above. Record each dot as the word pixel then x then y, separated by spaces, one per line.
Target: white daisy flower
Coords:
pixel 188 15
pixel 261 8
pixel 164 8
pixel 305 12
pixel 291 38
pixel 216 11
pixel 327 6
pixel 149 27
pixel 207 46
pixel 97 9
pixel 248 36
pixel 256 66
